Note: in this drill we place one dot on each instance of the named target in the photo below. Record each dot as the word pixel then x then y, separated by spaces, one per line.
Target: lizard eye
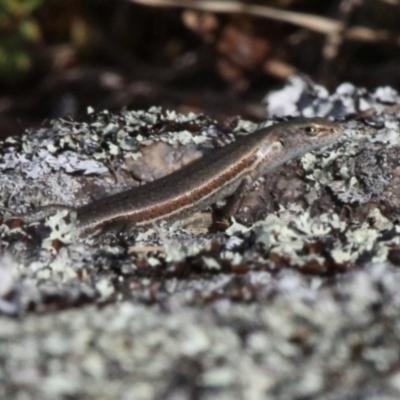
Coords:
pixel 311 131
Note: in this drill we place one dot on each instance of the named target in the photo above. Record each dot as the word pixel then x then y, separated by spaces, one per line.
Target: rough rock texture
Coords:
pixel 299 299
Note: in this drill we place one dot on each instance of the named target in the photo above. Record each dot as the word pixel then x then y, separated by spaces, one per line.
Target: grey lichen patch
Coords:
pixel 90 148
pixel 363 170
pixel 176 252
pixel 227 349
pixel 62 230
pixel 289 241
pixel 248 126
pixel 105 288
pixel 388 135
pixel 9 287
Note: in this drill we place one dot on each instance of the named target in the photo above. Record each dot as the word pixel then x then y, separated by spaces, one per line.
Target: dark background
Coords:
pixel 57 57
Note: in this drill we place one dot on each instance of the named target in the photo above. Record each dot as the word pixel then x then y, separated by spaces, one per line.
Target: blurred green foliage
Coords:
pixel 19 32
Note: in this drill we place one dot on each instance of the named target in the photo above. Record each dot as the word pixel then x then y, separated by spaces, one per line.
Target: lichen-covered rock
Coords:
pixel 297 298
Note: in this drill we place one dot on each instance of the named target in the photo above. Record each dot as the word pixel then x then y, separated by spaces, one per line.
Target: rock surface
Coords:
pixel 298 298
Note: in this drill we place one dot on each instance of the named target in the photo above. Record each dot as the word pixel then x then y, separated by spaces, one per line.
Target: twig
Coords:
pixel 311 22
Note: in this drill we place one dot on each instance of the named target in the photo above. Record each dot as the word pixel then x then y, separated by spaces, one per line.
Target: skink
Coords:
pixel 227 171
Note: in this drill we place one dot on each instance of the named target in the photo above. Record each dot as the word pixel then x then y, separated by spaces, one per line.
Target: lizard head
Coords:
pixel 308 133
